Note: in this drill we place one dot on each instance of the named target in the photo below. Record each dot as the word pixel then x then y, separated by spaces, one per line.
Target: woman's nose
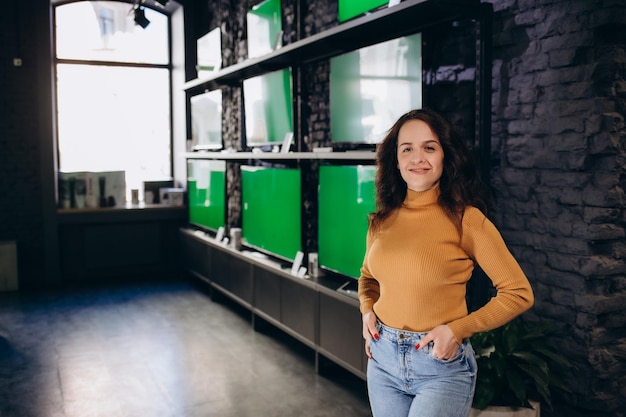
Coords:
pixel 417 156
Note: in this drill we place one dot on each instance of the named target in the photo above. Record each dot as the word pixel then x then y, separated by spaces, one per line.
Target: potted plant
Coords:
pixel 517 369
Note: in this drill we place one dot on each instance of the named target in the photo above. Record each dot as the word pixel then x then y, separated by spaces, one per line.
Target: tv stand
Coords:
pixel 305 308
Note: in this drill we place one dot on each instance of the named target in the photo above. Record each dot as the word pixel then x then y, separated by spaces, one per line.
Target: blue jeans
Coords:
pixel 404 382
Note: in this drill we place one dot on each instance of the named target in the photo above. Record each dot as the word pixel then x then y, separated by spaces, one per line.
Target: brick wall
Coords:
pixel 559 175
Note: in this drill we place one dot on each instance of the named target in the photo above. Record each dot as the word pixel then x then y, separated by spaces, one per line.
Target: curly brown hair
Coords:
pixel 460 182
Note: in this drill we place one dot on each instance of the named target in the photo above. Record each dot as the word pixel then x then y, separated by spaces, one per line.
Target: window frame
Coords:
pixel 167 12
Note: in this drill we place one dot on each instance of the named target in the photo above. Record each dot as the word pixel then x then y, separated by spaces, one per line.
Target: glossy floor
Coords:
pixel 156 350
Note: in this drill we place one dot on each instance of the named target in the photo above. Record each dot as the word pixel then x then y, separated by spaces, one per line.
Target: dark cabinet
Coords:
pixel 340 330
pixel 298 308
pixel 267 292
pixel 311 311
pixel 196 256
pixel 233 275
pixel 119 243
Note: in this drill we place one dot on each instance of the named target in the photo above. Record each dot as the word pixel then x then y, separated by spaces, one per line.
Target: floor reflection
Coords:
pixel 155 350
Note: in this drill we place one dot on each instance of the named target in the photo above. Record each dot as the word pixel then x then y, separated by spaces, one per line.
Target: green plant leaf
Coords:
pixel 532 359
pixel 558 383
pixel 541 382
pixel 483 396
pixel 556 358
pixel 513 365
pixel 485 351
pixel 511 341
pixel 517 385
pixel 539 331
pixel 540 376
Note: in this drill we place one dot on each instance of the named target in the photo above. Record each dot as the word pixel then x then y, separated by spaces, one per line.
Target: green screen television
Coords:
pixel 271 210
pixel 346 196
pixel 264 26
pixel 206 190
pixel 372 86
pixel 206 120
pixel 347 9
pixel 268 108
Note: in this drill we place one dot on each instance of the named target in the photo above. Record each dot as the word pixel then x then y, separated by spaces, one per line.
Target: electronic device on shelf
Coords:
pixel 346 197
pixel 206 121
pixel 349 9
pixel 206 182
pixel 271 210
pixel 268 108
pixel 371 87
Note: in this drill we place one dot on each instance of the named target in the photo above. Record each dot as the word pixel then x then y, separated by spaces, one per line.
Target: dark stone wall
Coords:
pixel 558 155
pixel 557 162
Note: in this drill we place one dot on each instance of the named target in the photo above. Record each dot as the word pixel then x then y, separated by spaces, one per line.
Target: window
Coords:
pixel 113 91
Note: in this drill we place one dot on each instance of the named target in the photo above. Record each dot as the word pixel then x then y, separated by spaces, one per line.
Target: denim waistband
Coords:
pixel 398 335
pixel 404 336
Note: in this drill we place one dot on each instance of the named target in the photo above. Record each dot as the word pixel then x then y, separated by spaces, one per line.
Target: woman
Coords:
pixel 428 232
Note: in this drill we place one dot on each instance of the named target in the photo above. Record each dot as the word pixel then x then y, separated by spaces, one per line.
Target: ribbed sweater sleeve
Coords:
pixel 514 295
pixel 416 268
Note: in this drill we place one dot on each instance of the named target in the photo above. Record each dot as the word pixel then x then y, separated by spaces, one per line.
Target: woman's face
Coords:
pixel 420 156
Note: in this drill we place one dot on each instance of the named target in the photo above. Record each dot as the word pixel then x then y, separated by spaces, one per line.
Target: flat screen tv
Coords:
pixel 372 86
pixel 206 120
pixel 347 9
pixel 268 108
pixel 209 53
pixel 346 196
pixel 271 210
pixel 264 26
pixel 206 193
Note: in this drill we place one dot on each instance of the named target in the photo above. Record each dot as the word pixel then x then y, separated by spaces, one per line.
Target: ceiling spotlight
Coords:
pixel 140 17
pixel 162 2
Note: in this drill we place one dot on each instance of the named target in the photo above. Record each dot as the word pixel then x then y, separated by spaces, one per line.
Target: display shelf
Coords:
pixel 244 156
pixel 139 212
pixel 322 312
pixel 408 17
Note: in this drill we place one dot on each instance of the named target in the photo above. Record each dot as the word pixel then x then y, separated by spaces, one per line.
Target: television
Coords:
pixel 347 9
pixel 206 120
pixel 271 210
pixel 371 87
pixel 264 26
pixel 268 108
pixel 206 183
pixel 209 53
pixel 346 196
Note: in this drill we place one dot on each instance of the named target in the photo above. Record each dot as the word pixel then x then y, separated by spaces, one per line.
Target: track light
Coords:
pixel 140 17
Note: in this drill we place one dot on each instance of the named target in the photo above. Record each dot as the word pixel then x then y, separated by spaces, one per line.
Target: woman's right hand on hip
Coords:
pixel 370 331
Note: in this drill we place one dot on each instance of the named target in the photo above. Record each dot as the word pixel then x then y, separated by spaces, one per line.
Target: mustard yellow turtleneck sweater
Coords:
pixel 416 268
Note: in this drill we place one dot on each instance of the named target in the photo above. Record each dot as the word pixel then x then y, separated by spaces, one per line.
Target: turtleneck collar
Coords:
pixel 415 199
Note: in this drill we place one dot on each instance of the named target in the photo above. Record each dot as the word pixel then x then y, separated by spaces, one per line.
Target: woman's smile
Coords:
pixel 420 156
